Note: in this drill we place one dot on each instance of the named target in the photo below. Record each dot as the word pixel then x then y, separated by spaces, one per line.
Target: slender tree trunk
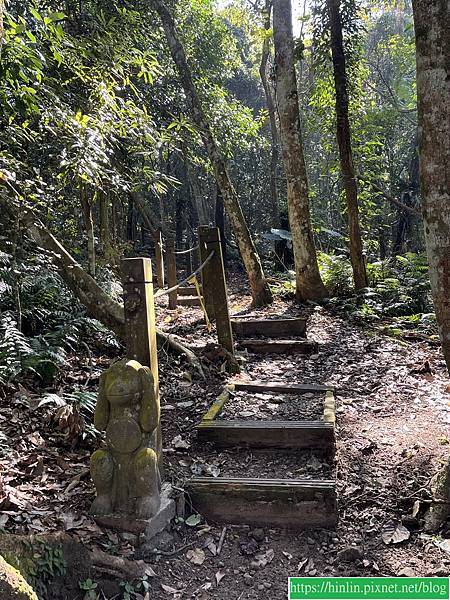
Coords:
pixel 179 220
pixel 308 281
pixel 105 233
pixel 270 101
pixel 345 145
pixel 86 205
pixel 148 216
pixel 431 20
pixel 261 293
pixel 220 223
pixel 196 195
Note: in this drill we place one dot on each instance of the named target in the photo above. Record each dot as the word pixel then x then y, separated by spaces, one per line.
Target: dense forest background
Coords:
pixel 96 139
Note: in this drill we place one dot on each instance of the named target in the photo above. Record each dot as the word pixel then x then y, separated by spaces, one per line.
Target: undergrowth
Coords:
pixel 41 327
pixel 398 291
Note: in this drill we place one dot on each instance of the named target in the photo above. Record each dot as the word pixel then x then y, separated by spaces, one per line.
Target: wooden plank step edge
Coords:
pixel 329 409
pixel 279 386
pixel 274 346
pixel 292 504
pixel 236 424
pixel 219 403
pixel 250 482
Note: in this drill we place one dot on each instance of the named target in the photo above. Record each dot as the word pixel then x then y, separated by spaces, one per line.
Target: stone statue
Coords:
pixel 125 473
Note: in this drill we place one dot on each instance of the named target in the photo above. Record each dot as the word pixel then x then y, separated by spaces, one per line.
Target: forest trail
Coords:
pixel 392 427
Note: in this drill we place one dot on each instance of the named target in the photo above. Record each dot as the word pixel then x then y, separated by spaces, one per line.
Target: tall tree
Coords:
pixel 431 20
pixel 261 293
pixel 343 133
pixel 309 284
pixel 271 107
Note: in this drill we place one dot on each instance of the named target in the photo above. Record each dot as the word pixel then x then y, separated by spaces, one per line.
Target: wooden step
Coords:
pixel 280 346
pixel 188 291
pixel 284 503
pixel 188 301
pixel 275 328
pixel 279 386
pixel 316 435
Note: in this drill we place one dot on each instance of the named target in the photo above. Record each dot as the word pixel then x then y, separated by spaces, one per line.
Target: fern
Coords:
pixel 20 355
pixel 52 321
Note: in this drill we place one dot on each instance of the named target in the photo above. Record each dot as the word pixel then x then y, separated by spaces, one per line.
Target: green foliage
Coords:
pixel 399 287
pixel 52 322
pixel 39 563
pixel 89 586
pixel 336 273
pixel 20 355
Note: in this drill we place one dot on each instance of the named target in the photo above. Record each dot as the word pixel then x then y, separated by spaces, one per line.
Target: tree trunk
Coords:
pixel 259 286
pixel 309 284
pixel 105 233
pixel 433 92
pixel 220 223
pixel 86 206
pixel 179 220
pixel 272 118
pixel 149 218
pixel 196 194
pixel 345 145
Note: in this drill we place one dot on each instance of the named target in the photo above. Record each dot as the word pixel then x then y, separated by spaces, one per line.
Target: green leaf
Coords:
pixel 35 14
pixel 31 36
pixel 56 16
pixel 193 520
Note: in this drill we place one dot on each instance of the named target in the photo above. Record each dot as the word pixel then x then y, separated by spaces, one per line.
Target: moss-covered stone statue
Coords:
pixel 126 473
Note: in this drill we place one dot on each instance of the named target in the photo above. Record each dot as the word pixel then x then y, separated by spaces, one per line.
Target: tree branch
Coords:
pixel 377 188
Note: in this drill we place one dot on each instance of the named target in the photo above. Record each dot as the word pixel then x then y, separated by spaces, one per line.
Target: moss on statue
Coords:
pixel 125 473
pixel 439 510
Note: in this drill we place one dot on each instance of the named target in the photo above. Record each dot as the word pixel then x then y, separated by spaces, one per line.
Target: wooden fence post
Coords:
pixel 140 325
pixel 214 284
pixel 159 259
pixel 171 272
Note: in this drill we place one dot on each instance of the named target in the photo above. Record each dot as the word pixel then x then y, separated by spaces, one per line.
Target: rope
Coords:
pixel 194 280
pixel 187 251
pixel 186 280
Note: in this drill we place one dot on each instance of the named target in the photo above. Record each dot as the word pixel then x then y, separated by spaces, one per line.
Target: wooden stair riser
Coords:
pixel 291 504
pixel 315 435
pixel 275 328
pixel 187 291
pixel 279 346
pixel 188 301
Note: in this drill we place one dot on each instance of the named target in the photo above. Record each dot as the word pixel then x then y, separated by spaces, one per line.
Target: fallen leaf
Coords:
pixel 262 559
pixel 301 564
pixel 211 546
pixel 179 444
pixel 196 556
pixel 193 520
pixel 219 576
pixel 395 535
pixel 415 508
pixel 168 589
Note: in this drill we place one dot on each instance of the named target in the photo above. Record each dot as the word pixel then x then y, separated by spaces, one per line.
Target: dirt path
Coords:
pixel 393 426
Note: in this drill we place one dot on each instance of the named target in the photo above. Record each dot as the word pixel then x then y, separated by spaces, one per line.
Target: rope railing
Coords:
pixel 186 251
pixel 186 279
